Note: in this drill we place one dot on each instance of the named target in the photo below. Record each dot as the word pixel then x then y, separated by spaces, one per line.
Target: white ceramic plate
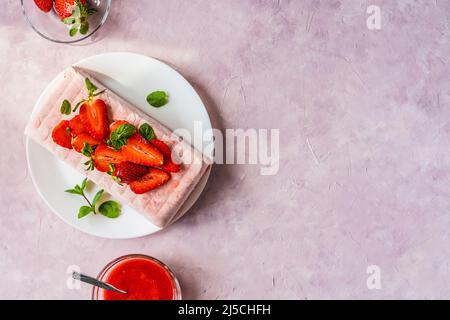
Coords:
pixel 133 77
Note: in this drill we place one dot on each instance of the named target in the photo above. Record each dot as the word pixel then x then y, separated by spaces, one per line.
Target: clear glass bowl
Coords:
pixel 49 25
pixel 97 293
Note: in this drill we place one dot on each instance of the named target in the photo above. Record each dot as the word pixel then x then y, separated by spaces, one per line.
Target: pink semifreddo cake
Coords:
pixel 161 205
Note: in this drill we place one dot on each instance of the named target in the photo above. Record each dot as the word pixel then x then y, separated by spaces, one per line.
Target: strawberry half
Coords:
pixel 61 135
pixel 79 141
pixel 168 165
pixel 140 151
pixel 128 172
pixel 94 118
pixel 44 5
pixel 76 126
pixel 104 156
pixel 152 180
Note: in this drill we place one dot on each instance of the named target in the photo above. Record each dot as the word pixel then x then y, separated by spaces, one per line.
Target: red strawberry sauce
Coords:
pixel 141 278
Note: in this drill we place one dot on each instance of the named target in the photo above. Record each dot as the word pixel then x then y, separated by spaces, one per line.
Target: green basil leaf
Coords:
pixel 84 183
pixel 147 132
pixel 158 99
pixel 110 209
pixel 97 197
pixel 66 108
pixel 84 211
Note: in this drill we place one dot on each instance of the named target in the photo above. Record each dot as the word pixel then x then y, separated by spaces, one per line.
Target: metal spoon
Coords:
pixel 95 282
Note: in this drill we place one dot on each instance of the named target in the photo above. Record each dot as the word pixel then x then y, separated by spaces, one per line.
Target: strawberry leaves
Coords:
pixel 88 151
pixel 112 169
pixel 110 209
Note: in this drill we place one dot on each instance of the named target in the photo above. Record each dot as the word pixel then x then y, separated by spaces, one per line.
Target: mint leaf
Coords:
pixel 147 132
pixel 97 197
pixel 73 191
pixel 73 31
pixel 69 20
pixel 90 86
pixel 84 211
pixel 110 209
pixel 119 137
pixel 84 184
pixel 84 28
pixel 158 99
pixel 66 108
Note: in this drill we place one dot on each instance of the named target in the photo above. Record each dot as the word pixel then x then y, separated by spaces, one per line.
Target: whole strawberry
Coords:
pixel 74 13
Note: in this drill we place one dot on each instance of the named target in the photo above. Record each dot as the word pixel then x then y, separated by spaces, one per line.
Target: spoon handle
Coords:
pixel 95 282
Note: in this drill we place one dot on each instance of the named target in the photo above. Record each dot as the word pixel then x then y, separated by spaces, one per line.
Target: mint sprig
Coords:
pixel 119 137
pixel 110 209
pixel 79 19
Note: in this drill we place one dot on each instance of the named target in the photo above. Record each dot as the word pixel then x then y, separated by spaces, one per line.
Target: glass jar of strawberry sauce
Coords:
pixel 141 276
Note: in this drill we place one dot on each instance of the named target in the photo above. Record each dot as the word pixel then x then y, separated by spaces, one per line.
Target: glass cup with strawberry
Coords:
pixel 66 21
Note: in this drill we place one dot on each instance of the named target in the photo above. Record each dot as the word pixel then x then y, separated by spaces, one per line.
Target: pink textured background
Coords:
pixel 372 105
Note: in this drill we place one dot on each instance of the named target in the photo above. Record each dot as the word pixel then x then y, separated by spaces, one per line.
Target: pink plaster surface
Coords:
pixel 365 149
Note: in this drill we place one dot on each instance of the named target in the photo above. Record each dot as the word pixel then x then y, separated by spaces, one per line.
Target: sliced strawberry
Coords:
pixel 113 126
pixel 64 7
pixel 76 126
pixel 140 151
pixel 168 165
pixel 152 180
pixel 128 172
pixel 104 156
pixel 79 141
pixel 44 5
pixel 94 118
pixel 61 135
